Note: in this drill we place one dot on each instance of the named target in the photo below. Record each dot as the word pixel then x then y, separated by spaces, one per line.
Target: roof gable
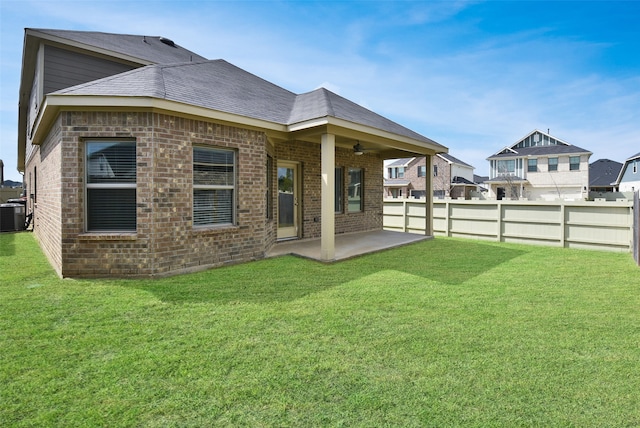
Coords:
pixel 538 143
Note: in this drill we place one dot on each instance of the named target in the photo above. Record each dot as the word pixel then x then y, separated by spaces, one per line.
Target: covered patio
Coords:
pixel 347 245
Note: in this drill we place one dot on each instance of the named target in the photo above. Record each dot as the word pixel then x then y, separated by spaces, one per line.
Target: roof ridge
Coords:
pixel 155 69
pixel 327 97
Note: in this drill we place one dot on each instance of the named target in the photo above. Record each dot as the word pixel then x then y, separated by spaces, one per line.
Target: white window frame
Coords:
pixel 213 186
pixel 571 164
pixel 104 165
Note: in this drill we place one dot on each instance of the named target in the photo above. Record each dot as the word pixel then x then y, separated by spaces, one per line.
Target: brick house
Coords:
pixel 451 178
pixel 539 166
pixel 142 158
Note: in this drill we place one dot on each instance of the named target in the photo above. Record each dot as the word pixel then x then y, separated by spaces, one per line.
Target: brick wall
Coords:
pixel 165 240
pixel 308 156
pixel 43 180
pixel 442 181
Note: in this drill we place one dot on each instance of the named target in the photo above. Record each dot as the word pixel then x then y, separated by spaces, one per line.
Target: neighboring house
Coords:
pixel 452 177
pixel 603 174
pixel 629 178
pixel 407 177
pixel 480 180
pixel 142 158
pixel 539 166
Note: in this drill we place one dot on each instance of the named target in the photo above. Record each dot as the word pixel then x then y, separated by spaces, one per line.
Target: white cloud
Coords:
pixel 414 62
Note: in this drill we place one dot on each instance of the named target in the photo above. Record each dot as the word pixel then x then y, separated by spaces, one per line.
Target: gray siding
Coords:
pixel 64 68
pixel 628 174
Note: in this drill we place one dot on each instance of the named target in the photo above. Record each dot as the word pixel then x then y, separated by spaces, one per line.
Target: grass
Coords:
pixel 445 332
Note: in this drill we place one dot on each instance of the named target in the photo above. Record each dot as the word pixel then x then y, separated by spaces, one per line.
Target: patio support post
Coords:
pixel 328 165
pixel 428 205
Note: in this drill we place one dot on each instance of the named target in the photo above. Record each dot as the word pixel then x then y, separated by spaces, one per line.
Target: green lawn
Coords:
pixel 440 333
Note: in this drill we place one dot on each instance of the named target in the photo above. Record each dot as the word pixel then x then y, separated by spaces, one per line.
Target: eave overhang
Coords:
pixel 386 144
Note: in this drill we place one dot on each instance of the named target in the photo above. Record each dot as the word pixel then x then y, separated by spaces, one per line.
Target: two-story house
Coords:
pixel 405 178
pixel 451 177
pixel 539 166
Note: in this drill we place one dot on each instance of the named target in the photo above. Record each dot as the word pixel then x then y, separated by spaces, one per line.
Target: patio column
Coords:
pixel 428 204
pixel 328 166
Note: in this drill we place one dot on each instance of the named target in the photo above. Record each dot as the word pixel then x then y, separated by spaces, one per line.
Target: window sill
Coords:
pixel 108 236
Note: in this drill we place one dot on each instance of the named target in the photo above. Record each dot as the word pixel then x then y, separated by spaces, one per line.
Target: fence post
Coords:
pixel 499 220
pixel 563 224
pixel 447 218
pixel 405 214
pixel 636 227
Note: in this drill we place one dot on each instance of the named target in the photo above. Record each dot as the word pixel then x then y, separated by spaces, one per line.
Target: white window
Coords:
pixel 422 171
pixel 553 164
pixel 111 186
pixel 506 166
pixel 574 163
pixel 214 185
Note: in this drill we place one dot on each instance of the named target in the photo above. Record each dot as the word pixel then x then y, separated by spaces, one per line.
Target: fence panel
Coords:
pixel 575 224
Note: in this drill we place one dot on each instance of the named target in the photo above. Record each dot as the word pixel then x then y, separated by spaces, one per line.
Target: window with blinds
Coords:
pixel 111 186
pixel 213 186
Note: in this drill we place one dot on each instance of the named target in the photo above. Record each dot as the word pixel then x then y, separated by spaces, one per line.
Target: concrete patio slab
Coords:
pixel 347 245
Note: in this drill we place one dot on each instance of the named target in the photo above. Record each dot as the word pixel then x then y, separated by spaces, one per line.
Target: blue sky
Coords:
pixel 473 76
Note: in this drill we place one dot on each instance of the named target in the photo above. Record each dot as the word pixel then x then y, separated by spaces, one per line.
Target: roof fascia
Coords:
pixel 53 104
pixel 390 140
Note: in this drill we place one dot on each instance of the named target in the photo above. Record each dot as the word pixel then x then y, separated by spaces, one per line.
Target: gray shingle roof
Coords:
pixel 396 182
pixel 453 159
pixel 559 149
pixel 603 172
pixel 322 103
pixel 219 85
pixel 215 85
pixel 505 179
pixel 148 48
pixel 461 180
pixel 400 162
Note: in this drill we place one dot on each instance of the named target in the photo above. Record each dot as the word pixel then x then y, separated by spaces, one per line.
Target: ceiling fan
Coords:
pixel 358 149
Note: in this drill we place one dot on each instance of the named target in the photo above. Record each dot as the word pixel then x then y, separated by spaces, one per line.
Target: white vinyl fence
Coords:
pixel 580 224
